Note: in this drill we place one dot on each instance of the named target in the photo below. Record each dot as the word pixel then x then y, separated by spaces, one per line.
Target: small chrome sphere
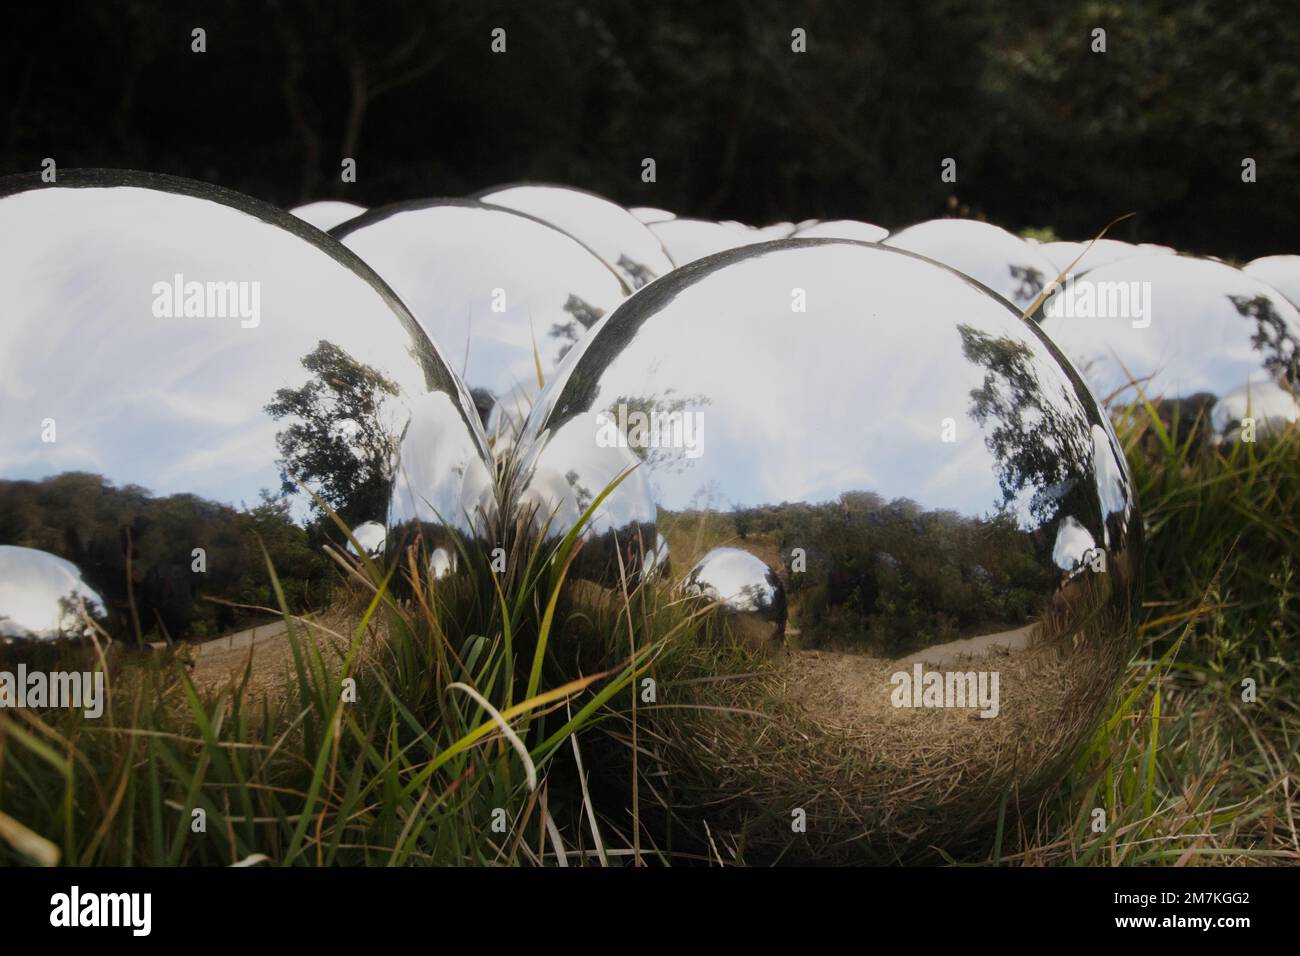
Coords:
pixel 932 485
pixel 606 228
pixel 1177 326
pixel 504 295
pixel 370 536
pixel 186 371
pixel 325 214
pixel 43 597
pixel 1007 264
pixel 747 589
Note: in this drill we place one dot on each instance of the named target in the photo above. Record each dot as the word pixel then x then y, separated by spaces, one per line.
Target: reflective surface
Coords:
pixel 689 239
pixel 43 597
pixel 327 213
pixel 1269 406
pixel 1281 272
pixel 487 284
pixel 1062 254
pixel 1007 264
pixel 370 536
pixel 932 484
pixel 649 214
pixel 1180 325
pixel 747 589
pixel 842 229
pixel 176 363
pixel 606 228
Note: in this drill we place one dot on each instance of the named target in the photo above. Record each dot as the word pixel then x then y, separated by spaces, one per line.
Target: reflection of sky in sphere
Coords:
pixel 850 395
pixel 446 260
pixel 689 239
pixel 1007 264
pixel 1281 272
pixel 1204 319
pixel 40 595
pixel 605 228
pixel 173 404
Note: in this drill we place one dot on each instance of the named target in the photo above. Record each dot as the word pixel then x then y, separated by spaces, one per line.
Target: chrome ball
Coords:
pixel 606 228
pixel 747 589
pixel 1176 326
pixel 933 486
pixel 186 370
pixel 369 535
pixel 43 597
pixel 504 295
pixel 1281 272
pixel 1007 264
pixel 842 229
pixel 1079 257
pixel 686 240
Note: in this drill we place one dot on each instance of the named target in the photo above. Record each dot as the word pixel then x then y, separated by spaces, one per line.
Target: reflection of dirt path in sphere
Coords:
pixel 942 654
pixel 833 743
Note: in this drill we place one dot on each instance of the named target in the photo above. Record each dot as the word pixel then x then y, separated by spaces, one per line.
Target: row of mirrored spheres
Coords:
pixel 877 451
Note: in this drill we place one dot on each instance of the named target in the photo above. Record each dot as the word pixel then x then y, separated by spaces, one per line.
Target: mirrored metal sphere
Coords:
pixel 924 471
pixel 1007 264
pixel 500 292
pixel 747 589
pixel 1083 256
pixel 689 239
pixel 1259 409
pixel 606 228
pixel 1281 272
pixel 649 214
pixel 182 369
pixel 370 536
pixel 935 487
pixel 43 597
pixel 1178 325
pixel 842 229
pixel 327 213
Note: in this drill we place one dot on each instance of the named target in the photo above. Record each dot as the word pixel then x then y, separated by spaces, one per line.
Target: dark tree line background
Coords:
pixel 1046 133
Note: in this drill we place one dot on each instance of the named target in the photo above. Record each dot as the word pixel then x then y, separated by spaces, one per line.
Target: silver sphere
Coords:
pixel 325 214
pixel 842 229
pixel 370 536
pixel 1281 272
pixel 749 591
pixel 1179 326
pixel 651 214
pixel 606 228
pixel 43 597
pixel 183 368
pixel 686 240
pixel 1007 264
pixel 1079 257
pixel 935 487
pixel 501 293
